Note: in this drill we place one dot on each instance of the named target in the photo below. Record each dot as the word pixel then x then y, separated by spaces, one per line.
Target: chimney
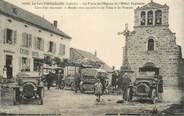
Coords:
pixel 95 53
pixel 55 23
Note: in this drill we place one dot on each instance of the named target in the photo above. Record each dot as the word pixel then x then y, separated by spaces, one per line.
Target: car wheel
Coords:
pixel 62 86
pixel 153 96
pixel 73 86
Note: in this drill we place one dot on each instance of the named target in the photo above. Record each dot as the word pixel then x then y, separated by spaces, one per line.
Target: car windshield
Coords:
pixel 101 74
pixel 148 74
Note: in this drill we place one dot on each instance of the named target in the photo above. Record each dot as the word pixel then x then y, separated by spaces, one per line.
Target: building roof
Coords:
pixel 82 56
pixel 152 5
pixel 20 14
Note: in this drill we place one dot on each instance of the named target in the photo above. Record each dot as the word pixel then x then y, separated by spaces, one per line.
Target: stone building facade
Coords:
pixel 25 38
pixel 153 44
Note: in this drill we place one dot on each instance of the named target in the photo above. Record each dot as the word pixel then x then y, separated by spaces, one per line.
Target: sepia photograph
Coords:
pixel 91 58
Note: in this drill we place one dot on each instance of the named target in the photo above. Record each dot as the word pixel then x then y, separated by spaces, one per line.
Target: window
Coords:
pixel 150 17
pixel 39 43
pixel 51 47
pixel 150 45
pixel 36 65
pixel 10 36
pixel 25 64
pixel 62 48
pixel 26 40
pixel 158 17
pixel 143 18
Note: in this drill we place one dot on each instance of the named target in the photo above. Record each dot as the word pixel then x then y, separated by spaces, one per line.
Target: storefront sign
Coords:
pixel 24 51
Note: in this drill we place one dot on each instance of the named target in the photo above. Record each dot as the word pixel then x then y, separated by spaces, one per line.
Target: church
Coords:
pixel 152 45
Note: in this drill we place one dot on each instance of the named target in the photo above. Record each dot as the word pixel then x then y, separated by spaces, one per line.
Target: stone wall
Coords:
pixel 166 55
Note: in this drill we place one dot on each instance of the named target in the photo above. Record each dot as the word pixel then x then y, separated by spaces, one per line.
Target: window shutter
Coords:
pixel 5 35
pixel 28 62
pixel 54 47
pixel 14 37
pixel 64 49
pixel 48 44
pixel 30 40
pixel 23 39
pixel 42 45
pixel 20 63
pixel 59 49
pixel 35 42
pixel 1 35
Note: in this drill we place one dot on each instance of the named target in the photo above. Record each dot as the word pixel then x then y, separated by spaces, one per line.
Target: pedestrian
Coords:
pixel 125 82
pixel 77 82
pixel 59 79
pixel 103 82
pixel 160 88
pixel 98 90
pixel 49 79
pixel 4 80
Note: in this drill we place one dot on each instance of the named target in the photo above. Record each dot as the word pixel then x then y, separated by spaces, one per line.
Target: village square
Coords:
pixel 42 74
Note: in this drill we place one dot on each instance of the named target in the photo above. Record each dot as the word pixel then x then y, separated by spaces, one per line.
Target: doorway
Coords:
pixel 9 66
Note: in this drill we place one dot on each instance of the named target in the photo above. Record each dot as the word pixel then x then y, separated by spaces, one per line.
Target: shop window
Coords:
pixel 158 17
pixel 36 65
pixel 150 17
pixel 25 64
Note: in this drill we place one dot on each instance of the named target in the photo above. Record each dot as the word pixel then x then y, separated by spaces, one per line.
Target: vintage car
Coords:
pixel 58 73
pixel 89 78
pixel 69 82
pixel 145 87
pixel 29 88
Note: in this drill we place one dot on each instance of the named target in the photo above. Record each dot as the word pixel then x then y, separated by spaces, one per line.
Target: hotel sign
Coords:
pixel 35 54
pixel 24 51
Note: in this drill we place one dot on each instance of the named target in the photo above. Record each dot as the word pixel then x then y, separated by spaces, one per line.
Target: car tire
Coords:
pixel 73 86
pixel 62 86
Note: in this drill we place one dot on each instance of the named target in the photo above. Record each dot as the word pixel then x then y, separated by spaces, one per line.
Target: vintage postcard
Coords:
pixel 91 57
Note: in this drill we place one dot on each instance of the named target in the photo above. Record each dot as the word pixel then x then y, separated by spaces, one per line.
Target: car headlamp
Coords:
pixel 35 89
pixel 21 89
pixel 41 84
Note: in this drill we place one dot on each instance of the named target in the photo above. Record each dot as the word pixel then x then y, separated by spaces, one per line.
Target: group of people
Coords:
pixel 122 81
pixel 53 76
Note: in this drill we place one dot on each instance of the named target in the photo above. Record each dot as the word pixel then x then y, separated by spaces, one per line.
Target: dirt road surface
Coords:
pixel 68 103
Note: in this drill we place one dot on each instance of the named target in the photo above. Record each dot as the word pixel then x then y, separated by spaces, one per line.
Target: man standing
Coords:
pixel 160 88
pixel 125 82
pixel 77 81
pixel 4 80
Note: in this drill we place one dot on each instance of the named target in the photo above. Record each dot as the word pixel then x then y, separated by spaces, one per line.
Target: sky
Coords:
pixel 97 29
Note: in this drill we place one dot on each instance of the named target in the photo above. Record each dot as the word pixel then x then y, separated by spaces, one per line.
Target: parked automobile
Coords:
pixel 145 87
pixel 28 88
pixel 69 81
pixel 89 78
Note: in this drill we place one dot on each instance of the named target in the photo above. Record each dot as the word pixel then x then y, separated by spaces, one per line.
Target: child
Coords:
pixel 98 90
